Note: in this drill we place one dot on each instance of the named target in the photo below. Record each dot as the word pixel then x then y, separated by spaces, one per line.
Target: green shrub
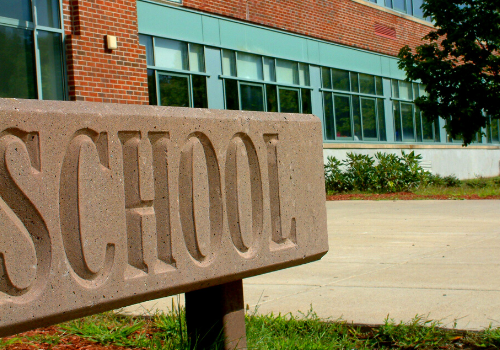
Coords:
pixel 477 183
pixel 451 181
pixel 335 179
pixel 434 180
pixel 358 172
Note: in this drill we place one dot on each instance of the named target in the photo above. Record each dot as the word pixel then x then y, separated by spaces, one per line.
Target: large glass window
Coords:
pixel 353 105
pixel 410 125
pixel 31 50
pixel 258 83
pixel 176 72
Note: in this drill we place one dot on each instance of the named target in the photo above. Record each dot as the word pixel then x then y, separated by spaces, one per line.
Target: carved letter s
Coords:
pixel 25 246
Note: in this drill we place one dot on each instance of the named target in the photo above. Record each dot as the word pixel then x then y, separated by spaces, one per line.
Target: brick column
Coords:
pixel 95 73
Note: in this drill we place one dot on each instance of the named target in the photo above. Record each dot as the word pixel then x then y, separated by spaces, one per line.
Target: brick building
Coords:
pixel 333 58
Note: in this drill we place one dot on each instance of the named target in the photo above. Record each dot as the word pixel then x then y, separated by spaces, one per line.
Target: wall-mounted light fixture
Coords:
pixel 111 42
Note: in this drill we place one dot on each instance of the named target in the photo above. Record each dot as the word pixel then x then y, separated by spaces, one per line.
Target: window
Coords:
pixel 353 106
pixel 31 50
pixel 176 72
pixel 258 83
pixel 410 124
pixel 410 7
pixel 493 131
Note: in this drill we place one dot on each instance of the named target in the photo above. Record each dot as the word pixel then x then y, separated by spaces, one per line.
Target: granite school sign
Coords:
pixel 105 205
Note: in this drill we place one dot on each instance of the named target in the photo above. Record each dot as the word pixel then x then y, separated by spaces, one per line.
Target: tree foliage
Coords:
pixel 459 64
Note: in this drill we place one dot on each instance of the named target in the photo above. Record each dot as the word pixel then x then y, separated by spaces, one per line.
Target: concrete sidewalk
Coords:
pixel 440 259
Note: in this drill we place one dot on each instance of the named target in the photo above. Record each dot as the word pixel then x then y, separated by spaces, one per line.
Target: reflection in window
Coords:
pixel 340 80
pixel 269 70
pixel 50 46
pixel 16 9
pixel 407 120
pixel 368 111
pixel 259 83
pixel 306 101
pixel 252 97
pixel 171 54
pixel 174 90
pixel 152 87
pixel 186 86
pixel 231 94
pixel 228 63
pixel 342 116
pixel 413 7
pixel 272 98
pixel 200 99
pixel 367 84
pixel 17 63
pixel 287 72
pixel 289 100
pixel 329 123
pixel 249 66
pixel 355 107
pixel 493 131
pixel 196 58
pixel 48 13
pixel 19 59
pixel 399 5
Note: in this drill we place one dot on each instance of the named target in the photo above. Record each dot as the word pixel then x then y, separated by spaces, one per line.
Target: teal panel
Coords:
pixel 388 109
pixel 239 36
pixel 385 64
pixel 313 51
pixel 349 59
pixel 215 90
pixel 169 22
pixel 442 130
pixel 275 44
pixel 316 100
pixel 232 36
pixel 394 71
pixel 211 32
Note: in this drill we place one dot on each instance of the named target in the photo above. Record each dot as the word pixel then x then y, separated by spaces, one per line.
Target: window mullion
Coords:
pixel 157 82
pixel 300 100
pixel 38 67
pixel 334 116
pixel 351 113
pixel 401 121
pixel 264 92
pixel 191 95
pixel 278 99
pixel 239 89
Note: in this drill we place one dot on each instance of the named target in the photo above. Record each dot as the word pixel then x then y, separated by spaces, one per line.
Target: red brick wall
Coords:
pixel 95 73
pixel 340 21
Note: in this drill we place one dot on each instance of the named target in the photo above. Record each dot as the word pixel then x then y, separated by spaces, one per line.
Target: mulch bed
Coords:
pixel 401 196
pixel 67 342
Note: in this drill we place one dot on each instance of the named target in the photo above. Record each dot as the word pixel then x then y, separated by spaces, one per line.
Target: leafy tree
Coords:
pixel 459 64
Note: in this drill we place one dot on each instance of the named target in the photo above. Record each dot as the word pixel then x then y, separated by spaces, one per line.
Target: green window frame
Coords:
pixel 410 124
pixel 176 72
pixel 270 84
pixel 353 105
pixel 32 50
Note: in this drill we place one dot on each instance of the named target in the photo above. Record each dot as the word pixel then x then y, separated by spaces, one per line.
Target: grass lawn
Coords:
pixel 307 331
pixel 480 188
